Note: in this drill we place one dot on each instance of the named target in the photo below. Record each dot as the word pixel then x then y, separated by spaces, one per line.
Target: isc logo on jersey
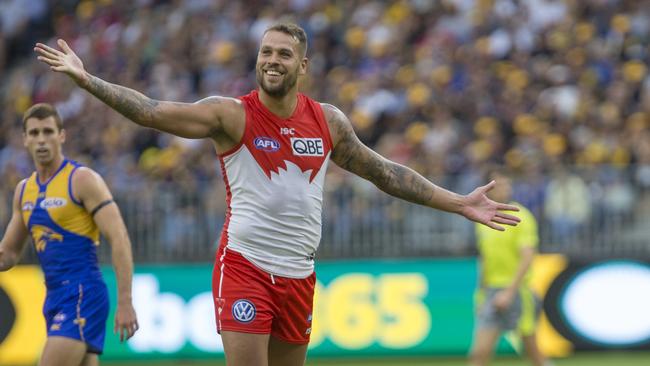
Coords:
pixel 303 146
pixel 266 144
pixel 53 202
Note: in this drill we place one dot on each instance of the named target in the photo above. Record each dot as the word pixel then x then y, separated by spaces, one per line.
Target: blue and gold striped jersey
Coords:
pixel 64 233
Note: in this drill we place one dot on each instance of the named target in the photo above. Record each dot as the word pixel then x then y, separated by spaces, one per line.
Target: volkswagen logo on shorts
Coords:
pixel 243 311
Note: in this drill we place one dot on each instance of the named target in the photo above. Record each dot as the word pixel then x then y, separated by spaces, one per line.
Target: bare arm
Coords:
pixel 190 120
pixel 13 242
pixel 402 182
pixel 91 190
pixel 526 260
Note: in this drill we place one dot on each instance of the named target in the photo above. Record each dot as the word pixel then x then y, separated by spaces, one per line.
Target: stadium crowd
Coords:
pixel 558 90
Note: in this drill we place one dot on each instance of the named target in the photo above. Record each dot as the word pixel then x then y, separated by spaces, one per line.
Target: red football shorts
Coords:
pixel 249 300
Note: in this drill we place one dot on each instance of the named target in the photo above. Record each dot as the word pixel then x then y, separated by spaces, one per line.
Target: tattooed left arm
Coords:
pixel 402 182
pixel 395 179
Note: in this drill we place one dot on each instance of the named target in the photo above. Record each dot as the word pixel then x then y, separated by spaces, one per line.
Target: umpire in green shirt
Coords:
pixel 504 300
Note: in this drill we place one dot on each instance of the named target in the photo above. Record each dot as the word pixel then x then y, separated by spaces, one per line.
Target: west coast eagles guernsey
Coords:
pixel 64 234
pixel 274 182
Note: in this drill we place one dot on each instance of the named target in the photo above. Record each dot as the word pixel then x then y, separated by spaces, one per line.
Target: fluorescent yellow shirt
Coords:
pixel 501 250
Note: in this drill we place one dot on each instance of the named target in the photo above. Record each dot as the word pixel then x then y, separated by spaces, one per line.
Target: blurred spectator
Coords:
pixel 567 206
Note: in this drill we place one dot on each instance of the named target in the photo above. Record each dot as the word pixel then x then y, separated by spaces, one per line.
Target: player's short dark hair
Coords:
pixel 294 30
pixel 42 111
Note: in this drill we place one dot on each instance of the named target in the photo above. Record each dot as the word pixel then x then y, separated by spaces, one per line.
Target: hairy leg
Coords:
pixel 91 359
pixel 282 353
pixel 61 351
pixel 245 349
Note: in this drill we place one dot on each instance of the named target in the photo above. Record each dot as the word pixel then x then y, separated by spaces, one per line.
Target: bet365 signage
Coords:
pixel 363 308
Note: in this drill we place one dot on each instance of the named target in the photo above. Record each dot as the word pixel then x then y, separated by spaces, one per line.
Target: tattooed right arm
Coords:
pixel 191 120
pixel 130 103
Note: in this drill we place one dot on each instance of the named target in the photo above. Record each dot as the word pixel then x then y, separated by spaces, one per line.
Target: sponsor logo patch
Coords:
pixel 243 311
pixel 266 144
pixel 287 131
pixel 28 206
pixel 53 202
pixel 304 146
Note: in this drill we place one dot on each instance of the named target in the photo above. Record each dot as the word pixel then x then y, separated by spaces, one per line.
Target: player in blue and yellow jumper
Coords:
pixel 64 206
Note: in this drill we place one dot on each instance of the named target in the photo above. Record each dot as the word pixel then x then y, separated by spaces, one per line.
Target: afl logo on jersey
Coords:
pixel 53 202
pixel 243 311
pixel 266 144
pixel 307 146
pixel 28 206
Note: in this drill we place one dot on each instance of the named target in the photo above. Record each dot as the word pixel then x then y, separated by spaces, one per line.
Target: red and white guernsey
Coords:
pixel 274 180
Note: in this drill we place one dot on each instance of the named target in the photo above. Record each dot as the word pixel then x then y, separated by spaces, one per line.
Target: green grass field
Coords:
pixel 590 359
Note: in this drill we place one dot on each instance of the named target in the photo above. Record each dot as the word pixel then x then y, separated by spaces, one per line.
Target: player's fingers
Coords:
pixel 46 53
pixel 501 220
pixel 49 49
pixel 505 221
pixel 64 46
pixel 48 61
pixel 494 226
pixel 121 329
pixel 506 207
pixel 51 62
pixel 133 328
pixel 506 216
pixel 488 187
pixel 127 331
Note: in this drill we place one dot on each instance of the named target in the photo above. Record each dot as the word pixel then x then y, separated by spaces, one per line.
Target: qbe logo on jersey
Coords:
pixel 243 311
pixel 304 146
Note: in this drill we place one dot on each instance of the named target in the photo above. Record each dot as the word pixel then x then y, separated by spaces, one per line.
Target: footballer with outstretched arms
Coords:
pixel 274 145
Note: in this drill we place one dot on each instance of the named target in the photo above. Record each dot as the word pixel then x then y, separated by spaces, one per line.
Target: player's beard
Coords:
pixel 278 90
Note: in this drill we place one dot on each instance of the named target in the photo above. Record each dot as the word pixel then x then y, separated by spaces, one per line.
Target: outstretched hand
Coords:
pixel 479 208
pixel 64 60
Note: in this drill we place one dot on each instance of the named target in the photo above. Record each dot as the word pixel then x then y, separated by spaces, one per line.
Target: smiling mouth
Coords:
pixel 273 73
